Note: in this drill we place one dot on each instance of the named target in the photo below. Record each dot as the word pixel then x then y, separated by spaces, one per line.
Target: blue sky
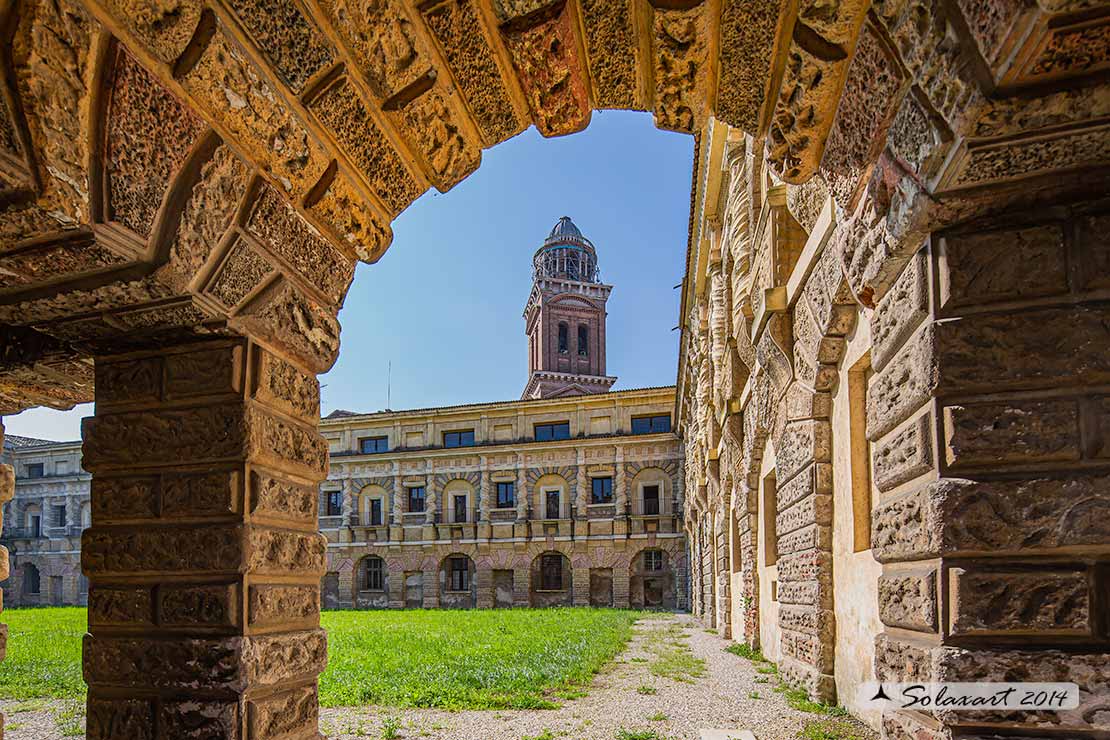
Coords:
pixel 444 304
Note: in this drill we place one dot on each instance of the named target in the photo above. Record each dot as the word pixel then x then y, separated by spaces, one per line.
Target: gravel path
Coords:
pixel 729 695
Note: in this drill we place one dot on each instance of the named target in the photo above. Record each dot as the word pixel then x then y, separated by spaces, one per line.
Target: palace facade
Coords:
pixel 571 495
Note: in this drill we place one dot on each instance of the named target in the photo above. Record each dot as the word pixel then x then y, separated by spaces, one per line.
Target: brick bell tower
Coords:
pixel 565 318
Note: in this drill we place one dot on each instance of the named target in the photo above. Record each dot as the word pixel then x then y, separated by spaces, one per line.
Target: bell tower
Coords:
pixel 565 318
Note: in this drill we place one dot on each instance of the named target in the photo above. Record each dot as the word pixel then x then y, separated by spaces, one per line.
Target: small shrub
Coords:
pixel 829 730
pixel 646 690
pixel 657 717
pixel 745 651
pixel 623 734
pixel 767 669
pixel 391 728
pixel 754 695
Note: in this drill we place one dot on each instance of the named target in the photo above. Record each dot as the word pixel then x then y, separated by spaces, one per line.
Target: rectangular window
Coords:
pixel 651 424
pixel 562 339
pixel 460 508
pixel 653 560
pixel 35 470
pixel 602 490
pixel 583 340
pixel 36 525
pixel 506 495
pixel 375 512
pixel 552 504
pixel 460 574
pixel 651 500
pixel 335 503
pixel 770 535
pixel 464 438
pixel 553 431
pixel 416 499
pixel 858 377
pixel 369 445
pixel 374 580
pixel 60 516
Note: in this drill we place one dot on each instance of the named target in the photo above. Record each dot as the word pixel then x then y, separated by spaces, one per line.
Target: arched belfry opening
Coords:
pixel 186 189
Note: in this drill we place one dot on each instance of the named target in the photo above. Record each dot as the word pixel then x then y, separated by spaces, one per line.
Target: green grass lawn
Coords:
pixel 482 659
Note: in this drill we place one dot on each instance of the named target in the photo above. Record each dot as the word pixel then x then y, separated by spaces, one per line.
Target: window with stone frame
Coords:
pixel 461 438
pixel 459 502
pixel 654 424
pixel 564 341
pixel 373 573
pixel 417 500
pixel 552 431
pixel 651 500
pixel 551 504
pixel 376 518
pixel 583 340
pixel 334 506
pixel 506 495
pixel 60 515
pixel 551 572
pixel 371 445
pixel 35 470
pixel 653 560
pixel 460 573
pixel 602 490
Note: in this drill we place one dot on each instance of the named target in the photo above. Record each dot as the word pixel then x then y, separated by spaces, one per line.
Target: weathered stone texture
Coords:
pixel 351 221
pixel 992 600
pixel 909 600
pixel 900 312
pixel 746 37
pixel 910 526
pixel 1014 433
pixel 907 382
pixel 289 319
pixel 432 123
pixel 611 46
pixel 681 44
pixel 904 454
pixel 108 719
pixel 149 132
pixel 456 27
pixel 802 443
pixel 998 266
pixel 242 271
pixel 197 606
pixel 274 604
pixel 903 661
pixel 284 714
pixel 289 40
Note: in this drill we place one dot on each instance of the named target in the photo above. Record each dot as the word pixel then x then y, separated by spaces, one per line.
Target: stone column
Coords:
pixel 396 514
pixel 521 499
pixel 620 494
pixel 484 502
pixel 430 500
pixel 7 491
pixel 204 557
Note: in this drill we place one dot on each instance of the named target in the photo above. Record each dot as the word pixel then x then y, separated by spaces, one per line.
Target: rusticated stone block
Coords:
pixel 820 623
pixel 273 497
pixel 1091 671
pixel 271 660
pixel 289 319
pixel 286 388
pixel 194 495
pixel 909 527
pixel 912 726
pixel 124 498
pixel 908 599
pixel 193 718
pixel 291 43
pixel 109 605
pixel 552 74
pixel 613 52
pixel 110 719
pixel 987 600
pixel 341 109
pixel 273 604
pixel 904 454
pixel 803 442
pixel 284 714
pixel 198 606
pixel 681 39
pixel 195 434
pixel 807 593
pixel 149 132
pixel 900 311
pixel 242 271
pixel 904 385
pixel 456 27
pixel 902 661
pixel 746 38
pixel 808 649
pixel 1017 432
pixel 7 478
pixel 342 209
pixel 808 537
pixel 1022 515
pixel 816 509
pixel 433 124
pixel 202 372
pixel 818 685
pixel 158 550
pixel 128 381
pixel 994 266
pixel 283 552
pixel 1031 349
pixel 287 444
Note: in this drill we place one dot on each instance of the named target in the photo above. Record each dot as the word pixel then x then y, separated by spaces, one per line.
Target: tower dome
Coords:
pixel 566 254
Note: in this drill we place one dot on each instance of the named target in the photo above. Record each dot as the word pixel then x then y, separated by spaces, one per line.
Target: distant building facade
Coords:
pixel 571 495
pixel 43 522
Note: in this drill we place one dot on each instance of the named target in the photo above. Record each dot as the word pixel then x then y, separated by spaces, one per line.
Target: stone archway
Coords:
pixel 189 211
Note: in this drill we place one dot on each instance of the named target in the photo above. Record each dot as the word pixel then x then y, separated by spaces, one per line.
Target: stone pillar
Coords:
pixel 581 488
pixel 485 504
pixel 522 586
pixel 484 578
pixel 580 585
pixel 431 588
pixel 431 505
pixel 521 491
pixel 204 557
pixel 396 514
pixel 620 494
pixel 7 491
pixel 621 586
pixel 1006 367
